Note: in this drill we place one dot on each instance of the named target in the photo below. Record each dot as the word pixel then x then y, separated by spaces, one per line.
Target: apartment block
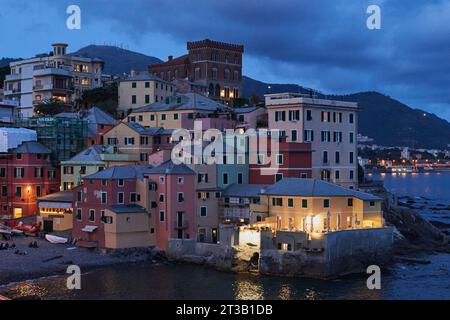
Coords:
pixel 58 76
pixel 330 126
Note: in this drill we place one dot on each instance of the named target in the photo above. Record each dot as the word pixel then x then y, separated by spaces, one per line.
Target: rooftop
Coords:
pixel 32 147
pixel 91 154
pixel 169 167
pixel 188 101
pixel 143 76
pixel 290 98
pixel 98 116
pixel 146 131
pixel 244 190
pixel 63 196
pixel 245 109
pixel 313 188
pixel 121 172
pixel 132 208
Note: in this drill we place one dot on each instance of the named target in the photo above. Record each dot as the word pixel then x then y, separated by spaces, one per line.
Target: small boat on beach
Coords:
pixel 55 239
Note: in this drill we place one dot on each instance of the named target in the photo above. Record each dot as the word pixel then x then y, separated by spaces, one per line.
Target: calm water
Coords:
pixel 429 185
pixel 401 281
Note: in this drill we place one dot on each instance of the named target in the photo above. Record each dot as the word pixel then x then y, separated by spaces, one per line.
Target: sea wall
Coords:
pixel 344 252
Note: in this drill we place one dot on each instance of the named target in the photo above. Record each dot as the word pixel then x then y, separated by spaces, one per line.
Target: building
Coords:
pixel 293 160
pixel 329 125
pixel 91 160
pixel 8 111
pixel 26 174
pixel 249 117
pixel 51 77
pixel 181 111
pixel 99 123
pixel 134 139
pixel 316 206
pixel 183 86
pixel 55 211
pixel 142 89
pixel 214 64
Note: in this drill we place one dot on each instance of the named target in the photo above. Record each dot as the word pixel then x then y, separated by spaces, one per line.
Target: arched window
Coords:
pixel 226 74
pixel 236 75
pixel 217 92
pixel 214 73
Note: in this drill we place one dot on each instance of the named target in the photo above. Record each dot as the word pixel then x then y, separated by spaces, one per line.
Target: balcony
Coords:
pixel 243 213
pixel 13 77
pixel 181 225
pixel 47 87
pixel 15 91
pixel 52 72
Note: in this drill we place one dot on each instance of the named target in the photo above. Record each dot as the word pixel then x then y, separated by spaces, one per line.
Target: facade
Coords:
pixel 8 111
pixel 56 77
pixel 249 117
pixel 293 160
pixel 331 128
pixel 183 86
pixel 236 201
pixel 26 174
pixel 99 123
pixel 214 64
pixel 135 140
pixel 91 160
pixel 55 211
pixel 142 89
pixel 316 206
pixel 181 111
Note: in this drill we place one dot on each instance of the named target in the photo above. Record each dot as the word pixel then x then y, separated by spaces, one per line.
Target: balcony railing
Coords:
pixel 181 225
pixel 236 213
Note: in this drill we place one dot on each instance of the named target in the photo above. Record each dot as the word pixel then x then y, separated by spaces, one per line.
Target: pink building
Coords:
pixel 175 203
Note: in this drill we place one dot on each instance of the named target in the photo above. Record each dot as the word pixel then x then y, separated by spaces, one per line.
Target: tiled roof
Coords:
pixel 244 190
pixel 188 101
pixel 143 130
pixel 98 116
pixel 126 209
pixel 90 154
pixel 32 147
pixel 245 110
pixel 169 167
pixel 144 76
pixel 121 172
pixel 175 61
pixel 313 188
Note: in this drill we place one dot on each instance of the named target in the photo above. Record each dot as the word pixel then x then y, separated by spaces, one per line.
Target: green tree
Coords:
pixel 105 98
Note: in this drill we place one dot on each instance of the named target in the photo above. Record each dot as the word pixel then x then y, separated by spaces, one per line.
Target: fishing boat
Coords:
pixel 55 239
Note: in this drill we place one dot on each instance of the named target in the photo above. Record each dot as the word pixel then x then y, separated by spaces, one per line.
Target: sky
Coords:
pixel 322 44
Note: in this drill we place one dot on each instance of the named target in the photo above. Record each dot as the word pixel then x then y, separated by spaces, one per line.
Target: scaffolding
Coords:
pixel 64 136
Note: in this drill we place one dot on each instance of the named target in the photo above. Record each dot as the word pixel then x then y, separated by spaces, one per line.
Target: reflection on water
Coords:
pixel 183 282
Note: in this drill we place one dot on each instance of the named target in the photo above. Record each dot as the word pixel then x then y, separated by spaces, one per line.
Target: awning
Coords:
pixel 89 228
pixel 55 205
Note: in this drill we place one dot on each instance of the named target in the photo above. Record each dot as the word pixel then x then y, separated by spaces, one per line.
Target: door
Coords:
pixel 180 224
pixel 48 225
pixel 214 235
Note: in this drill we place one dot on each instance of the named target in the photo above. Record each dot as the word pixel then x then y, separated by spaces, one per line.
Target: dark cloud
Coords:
pixel 317 43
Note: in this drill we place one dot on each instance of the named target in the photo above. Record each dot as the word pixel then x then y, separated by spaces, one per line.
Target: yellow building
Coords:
pixel 316 206
pixel 55 211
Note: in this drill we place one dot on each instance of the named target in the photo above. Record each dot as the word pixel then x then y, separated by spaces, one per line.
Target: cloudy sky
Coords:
pixel 323 44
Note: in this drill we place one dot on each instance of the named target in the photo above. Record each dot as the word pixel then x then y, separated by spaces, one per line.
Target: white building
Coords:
pixel 51 77
pixel 329 125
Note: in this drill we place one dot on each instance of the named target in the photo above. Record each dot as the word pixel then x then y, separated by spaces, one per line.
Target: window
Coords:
pixel 147 84
pixel 225 178
pixel 133 99
pixel 372 203
pixel 163 116
pixel 325 157
pixel 129 141
pixel 19 156
pixel 337 136
pixel 120 183
pixel 2 172
pixel 260 159
pixel 161 197
pixel 326 203
pixel 304 203
pixel 279 159
pixel 337 157
pixel 351 138
pixel 104 183
pixel 308 115
pixel 4 191
pixel 120 198
pixel 38 172
pixel 180 197
pixel 152 116
pixel 304 175
pixel 240 178
pixel 162 216
pixel 18 192
pixel 308 136
pixel 337 175
pixel 326 116
pixel 91 215
pixel 104 197
pixel 180 180
pixel 175 116
pixel 352 175
pixel 294 135
pixel 350 202
pixel 326 136
pixel 278 202
pixel 19 172
pixel 351 118
pixel 203 211
pixel 294 115
pixel 280 116
pixel 278 177
pixel 38 191
pixel 79 196
pixel 291 202
pixel 351 157
pixel 79 214
pixel 133 84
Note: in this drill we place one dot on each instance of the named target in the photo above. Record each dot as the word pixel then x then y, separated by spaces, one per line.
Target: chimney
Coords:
pixel 170 58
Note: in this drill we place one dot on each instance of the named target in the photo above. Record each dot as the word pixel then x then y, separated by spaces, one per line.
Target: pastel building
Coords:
pixel 316 206
pixel 141 89
pixel 181 111
pixel 55 211
pixel 238 203
pixel 329 125
pixel 249 117
pixel 91 160
pixel 58 76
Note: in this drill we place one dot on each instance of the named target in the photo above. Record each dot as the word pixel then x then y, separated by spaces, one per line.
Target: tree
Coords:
pixel 3 72
pixel 52 108
pixel 105 98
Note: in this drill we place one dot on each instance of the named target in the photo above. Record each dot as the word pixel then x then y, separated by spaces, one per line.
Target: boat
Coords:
pixel 28 228
pixel 55 239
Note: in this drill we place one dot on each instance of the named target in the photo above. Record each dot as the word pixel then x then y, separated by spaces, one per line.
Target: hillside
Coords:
pixel 388 121
pixel 118 61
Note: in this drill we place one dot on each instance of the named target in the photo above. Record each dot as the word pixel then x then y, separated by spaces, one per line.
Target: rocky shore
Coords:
pixel 21 262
